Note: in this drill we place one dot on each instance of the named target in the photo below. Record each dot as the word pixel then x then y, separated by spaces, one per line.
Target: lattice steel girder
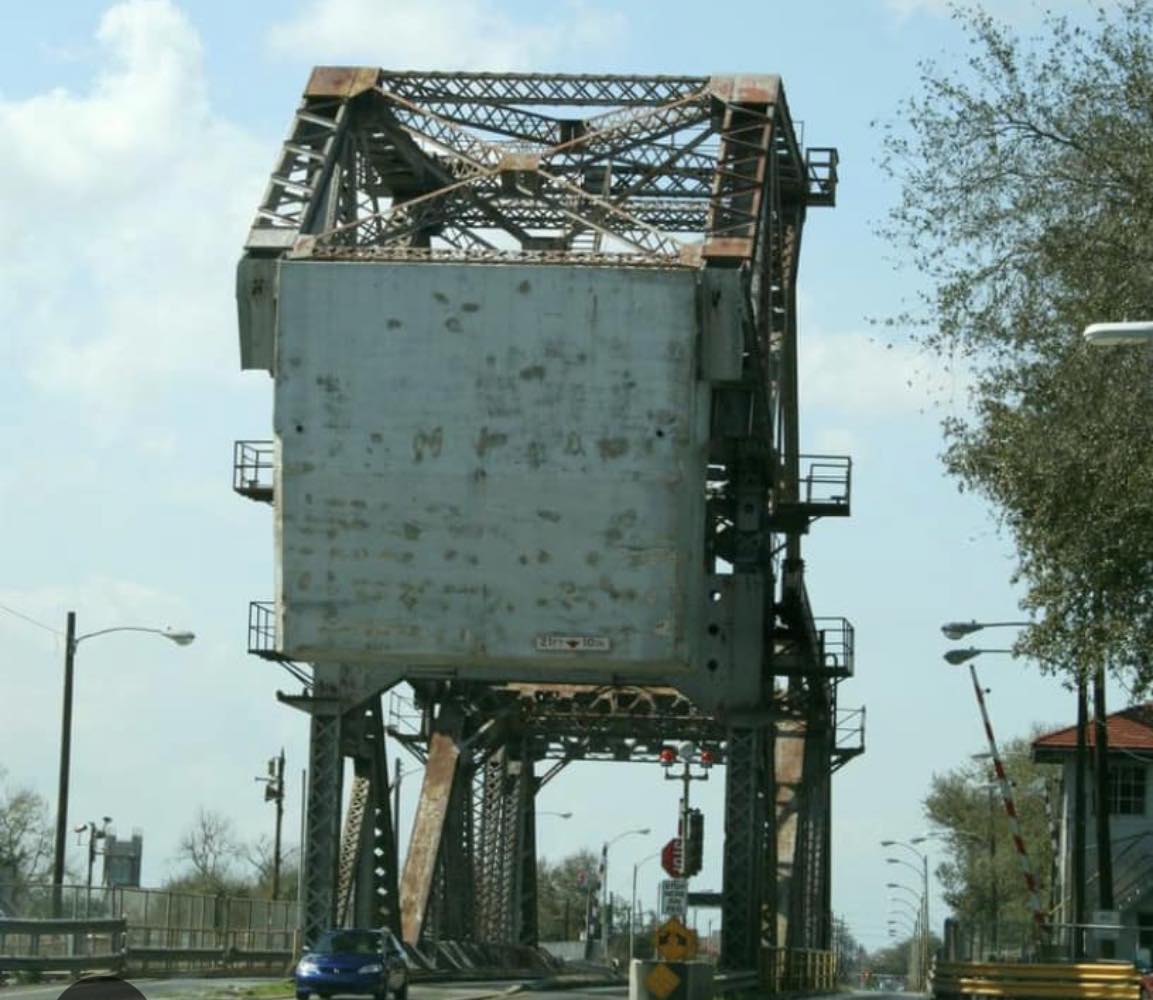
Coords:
pixel 747 893
pixel 322 822
pixel 506 875
pixel 540 89
pixel 404 137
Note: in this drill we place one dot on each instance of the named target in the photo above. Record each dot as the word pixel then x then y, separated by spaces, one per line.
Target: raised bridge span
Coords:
pixel 536 453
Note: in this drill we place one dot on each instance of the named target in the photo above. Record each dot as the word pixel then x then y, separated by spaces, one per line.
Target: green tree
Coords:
pixel 25 837
pixel 1026 207
pixel 982 878
pixel 563 889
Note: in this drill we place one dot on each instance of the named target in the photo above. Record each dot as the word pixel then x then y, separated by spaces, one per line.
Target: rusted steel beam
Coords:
pixel 427 833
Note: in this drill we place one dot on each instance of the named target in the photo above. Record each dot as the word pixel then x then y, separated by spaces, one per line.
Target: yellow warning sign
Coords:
pixel 661 981
pixel 675 942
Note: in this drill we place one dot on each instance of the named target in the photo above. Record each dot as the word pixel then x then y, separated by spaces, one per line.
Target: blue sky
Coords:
pixel 138 138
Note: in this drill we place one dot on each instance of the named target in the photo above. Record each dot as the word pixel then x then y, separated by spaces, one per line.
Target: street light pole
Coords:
pixel 605 885
pixel 71 641
pixel 924 873
pixel 633 904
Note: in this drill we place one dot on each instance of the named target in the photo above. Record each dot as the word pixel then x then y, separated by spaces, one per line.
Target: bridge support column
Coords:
pixel 322 822
pixel 367 894
pixel 506 876
pixel 453 909
pixel 749 855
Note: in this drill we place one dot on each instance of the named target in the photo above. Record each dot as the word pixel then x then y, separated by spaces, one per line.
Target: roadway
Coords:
pixel 258 989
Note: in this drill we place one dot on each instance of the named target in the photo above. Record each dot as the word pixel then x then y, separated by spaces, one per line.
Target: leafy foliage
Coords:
pixel 1027 203
pixel 211 852
pixel 25 836
pixel 563 889
pixel 982 880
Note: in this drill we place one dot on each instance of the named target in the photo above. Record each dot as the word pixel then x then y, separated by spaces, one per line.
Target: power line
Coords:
pixel 31 621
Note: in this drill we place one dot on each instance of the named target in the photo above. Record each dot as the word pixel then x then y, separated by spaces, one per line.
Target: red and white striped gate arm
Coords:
pixel 1010 809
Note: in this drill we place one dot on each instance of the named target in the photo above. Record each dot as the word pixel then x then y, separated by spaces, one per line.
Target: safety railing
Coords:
pixel 836 645
pixel 262 639
pixel 824 489
pixel 252 469
pixel 849 733
pixel 821 168
pixel 1051 980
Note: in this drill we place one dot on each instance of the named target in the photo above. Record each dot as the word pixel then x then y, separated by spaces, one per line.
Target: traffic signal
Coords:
pixel 694 848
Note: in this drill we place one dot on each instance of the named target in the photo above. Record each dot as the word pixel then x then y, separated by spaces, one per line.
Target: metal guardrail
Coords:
pixel 1045 981
pixel 67 944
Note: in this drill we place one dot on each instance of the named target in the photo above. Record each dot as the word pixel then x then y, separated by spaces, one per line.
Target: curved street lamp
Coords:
pixel 633 904
pixel 71 641
pixel 958 630
pixel 959 656
pixel 1118 334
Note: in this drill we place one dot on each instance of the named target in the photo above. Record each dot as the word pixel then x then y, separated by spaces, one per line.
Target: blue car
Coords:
pixel 353 963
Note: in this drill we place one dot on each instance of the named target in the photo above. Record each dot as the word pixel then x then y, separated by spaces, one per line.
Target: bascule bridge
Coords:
pixel 536 453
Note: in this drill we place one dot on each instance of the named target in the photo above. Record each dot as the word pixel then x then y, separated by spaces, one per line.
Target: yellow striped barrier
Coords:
pixel 1044 981
pixel 798 970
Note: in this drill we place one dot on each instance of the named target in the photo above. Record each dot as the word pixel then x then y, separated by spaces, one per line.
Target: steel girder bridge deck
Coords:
pixel 703 174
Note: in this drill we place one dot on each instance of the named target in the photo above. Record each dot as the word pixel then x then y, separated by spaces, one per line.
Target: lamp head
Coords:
pixel 180 638
pixel 958 630
pixel 956 656
pixel 1118 334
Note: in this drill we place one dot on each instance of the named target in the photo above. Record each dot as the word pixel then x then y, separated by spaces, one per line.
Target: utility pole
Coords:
pixel 1079 818
pixel 65 760
pixel 1102 798
pixel 274 792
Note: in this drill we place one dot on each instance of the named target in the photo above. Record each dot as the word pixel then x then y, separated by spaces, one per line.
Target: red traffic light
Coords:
pixel 707 758
pixel 668 756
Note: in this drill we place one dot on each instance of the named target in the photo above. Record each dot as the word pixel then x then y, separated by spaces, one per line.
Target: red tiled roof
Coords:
pixel 1129 729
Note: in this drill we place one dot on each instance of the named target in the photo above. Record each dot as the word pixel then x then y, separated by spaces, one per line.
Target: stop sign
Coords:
pixel 671 857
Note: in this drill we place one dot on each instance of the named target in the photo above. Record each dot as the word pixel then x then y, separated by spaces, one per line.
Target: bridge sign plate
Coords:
pixel 551 643
pixel 661 981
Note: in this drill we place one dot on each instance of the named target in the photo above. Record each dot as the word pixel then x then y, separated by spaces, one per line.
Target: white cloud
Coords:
pixel 904 8
pixel 133 199
pixel 443 34
pixel 865 376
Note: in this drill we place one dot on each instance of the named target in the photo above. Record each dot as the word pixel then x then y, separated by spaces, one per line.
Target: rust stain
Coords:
pixel 341 81
pixel 532 372
pixel 612 447
pixel 427 442
pixel 489 440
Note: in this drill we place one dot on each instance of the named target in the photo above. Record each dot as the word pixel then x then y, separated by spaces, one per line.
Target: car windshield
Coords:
pixel 350 943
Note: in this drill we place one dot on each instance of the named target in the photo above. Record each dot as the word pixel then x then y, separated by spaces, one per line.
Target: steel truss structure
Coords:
pixel 692 172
